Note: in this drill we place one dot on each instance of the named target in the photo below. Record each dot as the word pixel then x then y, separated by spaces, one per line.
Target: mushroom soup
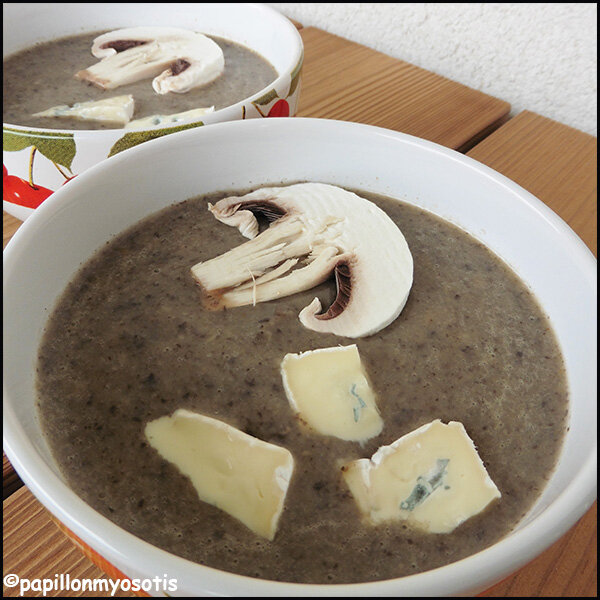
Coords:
pixel 42 77
pixel 131 343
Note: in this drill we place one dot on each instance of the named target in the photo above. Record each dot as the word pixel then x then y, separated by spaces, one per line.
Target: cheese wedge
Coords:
pixel 236 472
pixel 329 390
pixel 156 120
pixel 432 477
pixel 118 109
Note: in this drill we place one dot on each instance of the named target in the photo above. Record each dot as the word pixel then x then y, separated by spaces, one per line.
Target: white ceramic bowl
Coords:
pixel 78 219
pixel 255 26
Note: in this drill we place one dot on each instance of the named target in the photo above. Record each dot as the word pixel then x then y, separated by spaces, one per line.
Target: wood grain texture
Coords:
pixel 554 162
pixel 349 82
pixel 9 226
pixel 10 480
pixel 567 569
pixel 34 547
pixel 558 165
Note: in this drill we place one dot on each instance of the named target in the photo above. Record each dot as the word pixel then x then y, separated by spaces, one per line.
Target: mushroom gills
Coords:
pixel 178 59
pixel 316 231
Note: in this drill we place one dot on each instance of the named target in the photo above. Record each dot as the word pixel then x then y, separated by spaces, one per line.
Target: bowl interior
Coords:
pixel 109 197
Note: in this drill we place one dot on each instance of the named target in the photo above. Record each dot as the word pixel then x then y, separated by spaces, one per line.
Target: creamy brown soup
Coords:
pixel 129 342
pixel 40 77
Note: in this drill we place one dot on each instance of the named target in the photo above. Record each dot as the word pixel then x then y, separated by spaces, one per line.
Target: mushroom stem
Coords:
pixel 271 248
pixel 299 280
pixel 269 276
pixel 134 64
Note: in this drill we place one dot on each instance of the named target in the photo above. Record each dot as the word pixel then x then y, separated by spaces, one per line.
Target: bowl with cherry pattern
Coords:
pixel 38 161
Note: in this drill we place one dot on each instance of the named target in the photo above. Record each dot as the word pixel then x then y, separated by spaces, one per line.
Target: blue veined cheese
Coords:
pixel 118 109
pixel 329 390
pixel 431 478
pixel 156 120
pixel 236 472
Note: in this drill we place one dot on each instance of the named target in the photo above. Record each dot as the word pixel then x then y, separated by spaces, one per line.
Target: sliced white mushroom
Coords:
pixel 177 59
pixel 112 110
pixel 156 120
pixel 116 41
pixel 326 230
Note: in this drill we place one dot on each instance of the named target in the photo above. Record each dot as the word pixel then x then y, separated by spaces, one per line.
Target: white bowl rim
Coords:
pixel 298 55
pixel 479 569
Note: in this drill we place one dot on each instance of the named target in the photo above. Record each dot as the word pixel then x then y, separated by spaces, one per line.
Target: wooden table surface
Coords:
pixel 346 81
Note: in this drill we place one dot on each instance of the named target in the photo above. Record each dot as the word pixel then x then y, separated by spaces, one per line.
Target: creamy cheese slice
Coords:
pixel 329 390
pixel 236 472
pixel 432 477
pixel 156 120
pixel 118 109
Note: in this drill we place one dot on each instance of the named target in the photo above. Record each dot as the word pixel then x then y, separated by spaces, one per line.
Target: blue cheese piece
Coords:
pixel 236 472
pixel 329 390
pixel 432 478
pixel 162 120
pixel 118 109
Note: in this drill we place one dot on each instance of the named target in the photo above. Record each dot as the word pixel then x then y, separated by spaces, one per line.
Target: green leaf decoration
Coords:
pixel 296 75
pixel 294 83
pixel 56 146
pixel 133 138
pixel 266 98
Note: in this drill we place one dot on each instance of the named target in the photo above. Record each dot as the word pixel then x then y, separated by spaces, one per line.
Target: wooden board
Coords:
pixel 10 480
pixel 34 547
pixel 350 82
pixel 567 569
pixel 9 226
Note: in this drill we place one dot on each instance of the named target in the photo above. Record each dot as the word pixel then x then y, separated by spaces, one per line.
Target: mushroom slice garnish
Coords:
pixel 316 230
pixel 177 59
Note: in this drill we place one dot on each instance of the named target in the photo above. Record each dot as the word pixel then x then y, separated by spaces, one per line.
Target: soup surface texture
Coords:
pixel 130 342
pixel 40 77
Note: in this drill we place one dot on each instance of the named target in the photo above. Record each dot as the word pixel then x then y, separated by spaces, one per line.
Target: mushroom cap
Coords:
pixel 107 44
pixel 338 232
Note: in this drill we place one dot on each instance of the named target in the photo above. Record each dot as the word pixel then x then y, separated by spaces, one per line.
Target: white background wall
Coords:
pixel 539 57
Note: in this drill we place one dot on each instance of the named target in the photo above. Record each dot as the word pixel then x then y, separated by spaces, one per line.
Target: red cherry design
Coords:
pixel 281 108
pixel 67 180
pixel 19 191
